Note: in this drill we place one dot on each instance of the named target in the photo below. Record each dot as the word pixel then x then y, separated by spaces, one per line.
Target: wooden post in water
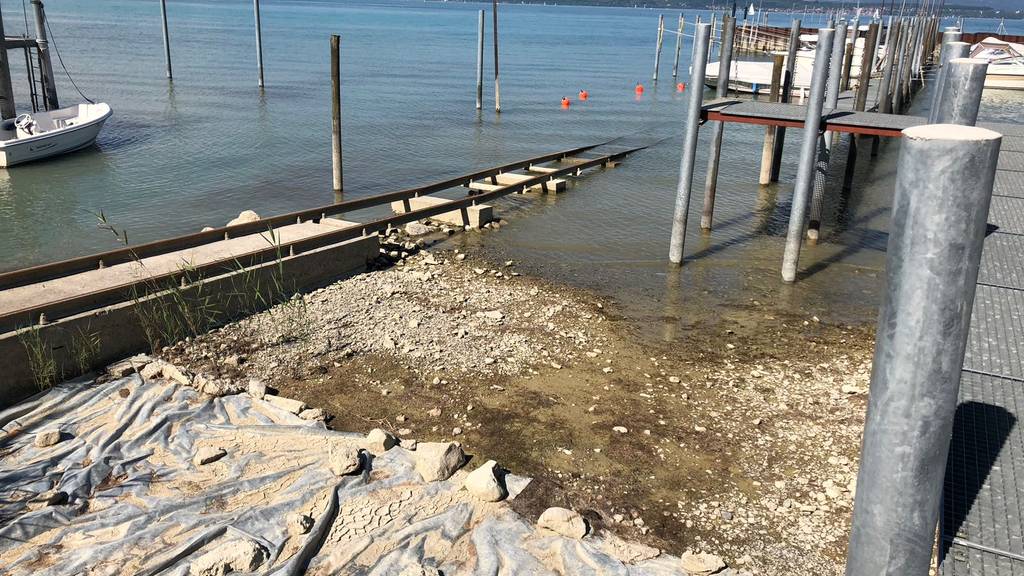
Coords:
pixel 679 43
pixel 657 49
pixel 497 87
pixel 787 88
pixel 259 40
pixel 6 88
pixel 714 156
pixel 480 63
pixel 167 38
pixel 339 185
pixel 860 102
pixel 768 149
pixel 844 82
pixel 45 65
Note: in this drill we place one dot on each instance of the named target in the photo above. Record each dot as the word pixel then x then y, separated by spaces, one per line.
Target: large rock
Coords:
pixel 416 229
pixel 563 521
pixel 379 441
pixel 257 389
pixel 154 369
pixel 286 404
pixel 438 460
pixel 244 217
pixel 343 460
pixel 47 438
pixel 420 571
pixel 299 524
pixel 701 563
pixel 241 555
pixel 483 483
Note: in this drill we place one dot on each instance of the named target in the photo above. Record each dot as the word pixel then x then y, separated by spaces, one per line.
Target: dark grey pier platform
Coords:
pixel 982 525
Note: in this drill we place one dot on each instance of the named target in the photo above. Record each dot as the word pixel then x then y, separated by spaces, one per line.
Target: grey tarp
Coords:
pixel 137 504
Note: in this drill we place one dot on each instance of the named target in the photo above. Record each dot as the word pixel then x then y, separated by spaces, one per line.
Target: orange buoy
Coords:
pixel 584 95
pixel 565 102
pixel 639 88
pixel 680 87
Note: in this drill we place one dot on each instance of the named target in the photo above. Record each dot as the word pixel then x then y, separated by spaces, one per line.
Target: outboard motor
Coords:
pixel 25 124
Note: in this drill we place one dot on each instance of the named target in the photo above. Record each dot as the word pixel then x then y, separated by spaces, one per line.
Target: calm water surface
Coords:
pixel 179 156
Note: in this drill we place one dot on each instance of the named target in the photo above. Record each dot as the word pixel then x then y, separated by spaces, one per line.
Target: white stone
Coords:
pixel 379 441
pixel 242 555
pixel 701 563
pixel 152 370
pixel 438 460
pixel 172 372
pixel 244 217
pixel 563 521
pixel 344 460
pixel 317 414
pixel 257 389
pixel 286 404
pixel 420 571
pixel 47 438
pixel 208 454
pixel 483 483
pixel 620 429
pixel 299 524
pixel 416 229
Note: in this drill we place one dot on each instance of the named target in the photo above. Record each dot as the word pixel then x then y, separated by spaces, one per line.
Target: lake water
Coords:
pixel 179 156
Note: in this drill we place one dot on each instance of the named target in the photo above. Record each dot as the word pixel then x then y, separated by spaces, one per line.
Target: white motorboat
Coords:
pixel 39 135
pixel 1005 63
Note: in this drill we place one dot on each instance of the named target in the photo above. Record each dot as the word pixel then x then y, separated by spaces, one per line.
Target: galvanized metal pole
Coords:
pixel 259 40
pixel 949 50
pixel 825 143
pixel 768 148
pixel 480 63
pixel 722 90
pixel 336 112
pixel 787 88
pixel 657 50
pixel 961 92
pixel 497 86
pixel 943 191
pixel 167 38
pixel 679 44
pixel 702 36
pixel 7 108
pixel 45 65
pixel 808 150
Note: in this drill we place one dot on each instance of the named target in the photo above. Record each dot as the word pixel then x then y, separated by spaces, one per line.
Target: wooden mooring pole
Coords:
pixel 714 158
pixel 679 44
pixel 480 63
pixel 787 89
pixel 45 65
pixel 768 149
pixel 497 86
pixel 259 40
pixel 339 184
pixel 657 49
pixel 7 109
pixel 167 38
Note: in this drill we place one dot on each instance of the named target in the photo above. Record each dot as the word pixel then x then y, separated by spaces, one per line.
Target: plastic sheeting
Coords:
pixel 137 504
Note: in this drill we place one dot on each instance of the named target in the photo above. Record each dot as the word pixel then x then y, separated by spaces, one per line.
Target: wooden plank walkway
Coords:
pixel 982 526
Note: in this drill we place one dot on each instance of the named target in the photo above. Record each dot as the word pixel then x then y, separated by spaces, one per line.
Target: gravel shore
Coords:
pixel 741 443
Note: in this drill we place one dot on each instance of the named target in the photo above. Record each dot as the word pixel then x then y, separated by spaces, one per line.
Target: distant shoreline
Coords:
pixel 774 6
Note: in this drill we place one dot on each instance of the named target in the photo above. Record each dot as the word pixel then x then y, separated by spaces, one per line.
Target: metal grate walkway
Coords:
pixel 982 526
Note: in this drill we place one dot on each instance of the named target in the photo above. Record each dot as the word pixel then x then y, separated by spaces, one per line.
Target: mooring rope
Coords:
pixel 61 60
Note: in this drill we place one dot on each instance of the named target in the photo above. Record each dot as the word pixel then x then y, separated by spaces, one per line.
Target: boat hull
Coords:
pixel 1005 81
pixel 49 144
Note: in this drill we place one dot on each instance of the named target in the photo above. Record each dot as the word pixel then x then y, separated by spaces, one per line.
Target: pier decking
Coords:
pixel 982 526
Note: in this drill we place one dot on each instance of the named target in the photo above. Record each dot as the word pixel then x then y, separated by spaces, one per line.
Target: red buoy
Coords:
pixel 639 88
pixel 584 95
pixel 680 87
pixel 565 102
